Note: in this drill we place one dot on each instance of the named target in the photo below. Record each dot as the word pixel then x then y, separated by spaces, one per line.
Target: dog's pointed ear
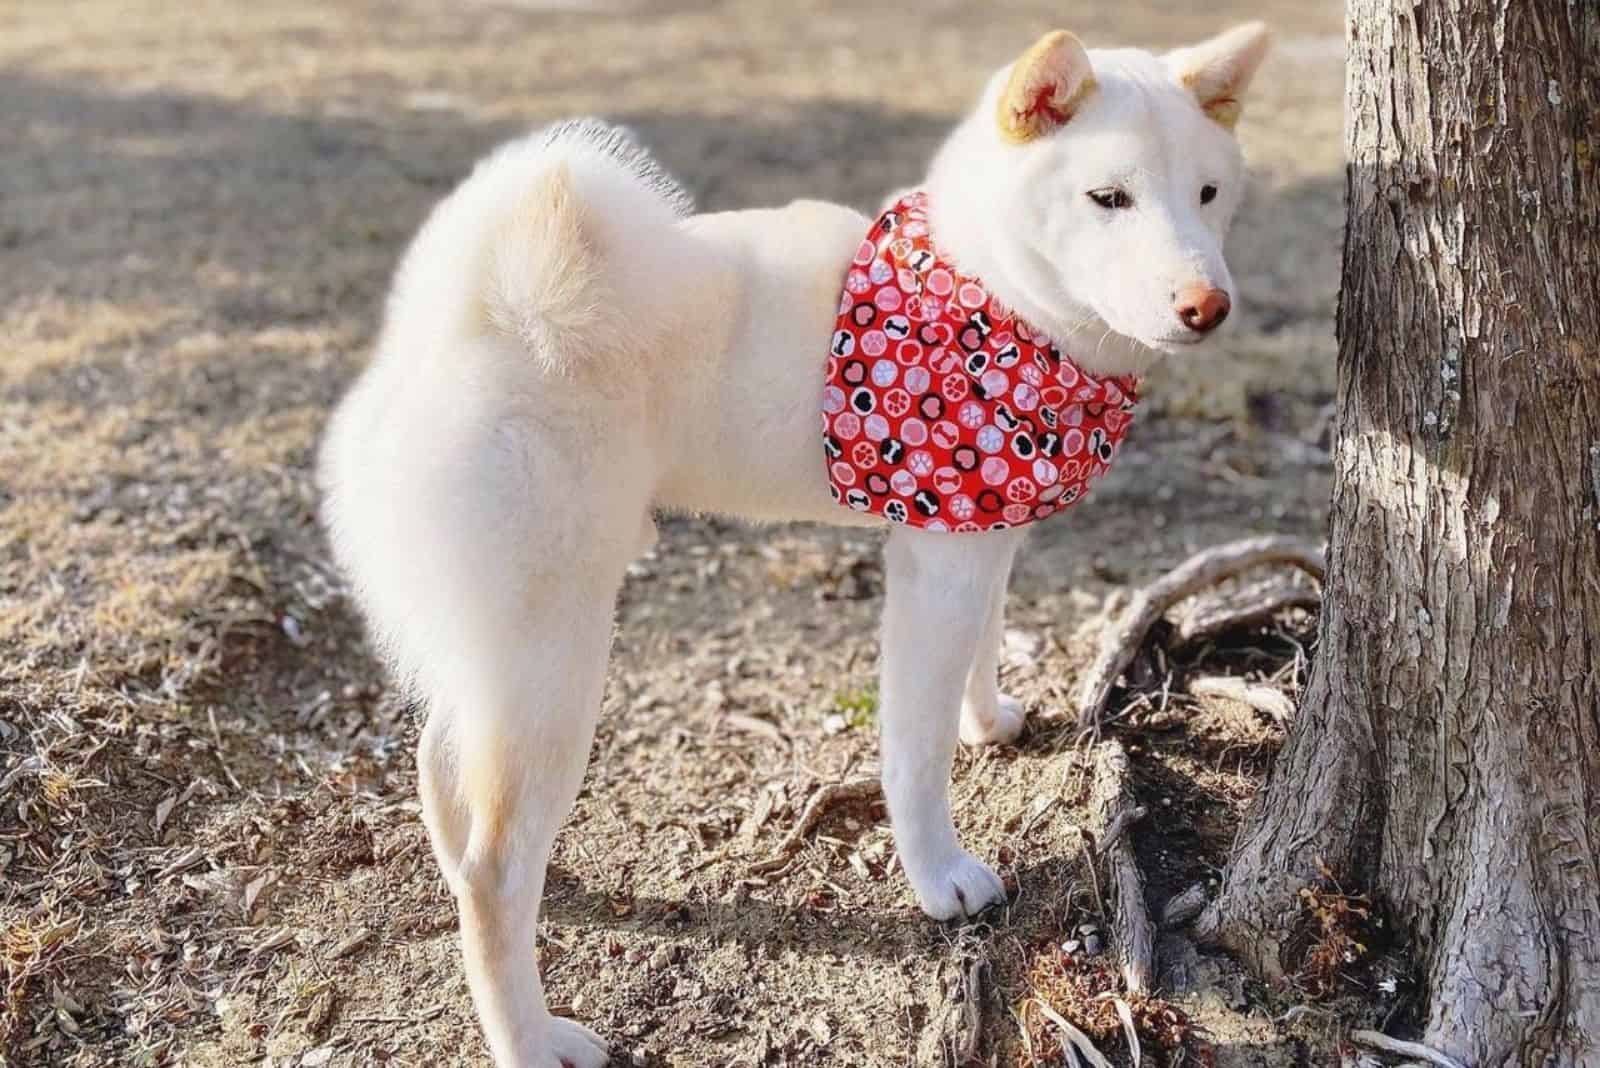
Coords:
pixel 1046 85
pixel 1218 71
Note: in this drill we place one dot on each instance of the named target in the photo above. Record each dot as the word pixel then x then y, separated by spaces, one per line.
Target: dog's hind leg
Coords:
pixel 500 764
pixel 989 717
pixel 443 807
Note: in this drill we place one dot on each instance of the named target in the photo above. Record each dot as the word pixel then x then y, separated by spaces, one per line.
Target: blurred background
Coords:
pixel 208 845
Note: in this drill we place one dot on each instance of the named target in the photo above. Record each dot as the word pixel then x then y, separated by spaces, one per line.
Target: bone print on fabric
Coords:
pixel 944 410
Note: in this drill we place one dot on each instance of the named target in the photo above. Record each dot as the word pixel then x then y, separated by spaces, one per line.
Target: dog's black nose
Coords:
pixel 1202 308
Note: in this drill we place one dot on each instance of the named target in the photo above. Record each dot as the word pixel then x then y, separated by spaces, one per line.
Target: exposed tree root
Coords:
pixel 1375 1040
pixel 865 789
pixel 1133 935
pixel 971 1012
pixel 1121 641
pixel 1265 699
pixel 1218 613
pixel 1181 909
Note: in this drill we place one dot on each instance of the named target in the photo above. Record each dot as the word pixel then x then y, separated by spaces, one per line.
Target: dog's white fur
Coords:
pixel 566 349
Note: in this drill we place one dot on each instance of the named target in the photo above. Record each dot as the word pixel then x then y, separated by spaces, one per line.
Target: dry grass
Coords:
pixel 209 844
pixel 1340 934
pixel 1085 990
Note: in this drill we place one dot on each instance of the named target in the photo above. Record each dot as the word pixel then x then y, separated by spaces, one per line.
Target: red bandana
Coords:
pixel 945 411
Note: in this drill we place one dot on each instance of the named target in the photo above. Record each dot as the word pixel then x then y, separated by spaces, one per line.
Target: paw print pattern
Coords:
pixel 980 421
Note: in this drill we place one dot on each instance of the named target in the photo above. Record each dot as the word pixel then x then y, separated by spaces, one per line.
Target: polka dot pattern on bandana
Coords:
pixel 944 410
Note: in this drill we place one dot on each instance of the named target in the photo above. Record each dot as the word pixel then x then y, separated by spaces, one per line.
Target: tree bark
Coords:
pixel 1446 757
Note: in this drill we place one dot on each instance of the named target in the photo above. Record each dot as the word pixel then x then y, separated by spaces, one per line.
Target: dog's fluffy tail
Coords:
pixel 571 230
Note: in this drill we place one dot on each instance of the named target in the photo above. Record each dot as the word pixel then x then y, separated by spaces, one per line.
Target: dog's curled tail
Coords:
pixel 573 228
pixel 569 266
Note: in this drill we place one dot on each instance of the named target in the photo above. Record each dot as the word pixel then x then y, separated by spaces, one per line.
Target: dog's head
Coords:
pixel 1099 186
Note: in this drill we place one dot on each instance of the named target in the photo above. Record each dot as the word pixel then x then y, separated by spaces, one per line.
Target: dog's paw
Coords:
pixel 993 726
pixel 575 1046
pixel 964 887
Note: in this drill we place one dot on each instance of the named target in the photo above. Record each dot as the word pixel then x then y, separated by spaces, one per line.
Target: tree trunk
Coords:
pixel 1447 755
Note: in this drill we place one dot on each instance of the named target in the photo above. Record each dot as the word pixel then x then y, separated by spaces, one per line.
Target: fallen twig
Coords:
pixel 754 725
pixel 216 740
pixel 1078 1039
pixel 1092 853
pixel 972 1012
pixel 420 1017
pixel 1129 1032
pixel 864 789
pixel 1120 642
pixel 1132 931
pixel 350 944
pixel 1265 699
pixel 1376 1040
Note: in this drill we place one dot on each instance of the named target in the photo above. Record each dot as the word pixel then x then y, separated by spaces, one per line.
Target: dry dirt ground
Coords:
pixel 209 845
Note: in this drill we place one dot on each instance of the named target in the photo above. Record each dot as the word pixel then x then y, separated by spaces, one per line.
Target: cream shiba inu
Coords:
pixel 568 349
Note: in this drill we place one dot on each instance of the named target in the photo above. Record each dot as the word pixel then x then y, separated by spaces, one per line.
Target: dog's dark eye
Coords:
pixel 1114 199
pixel 1208 193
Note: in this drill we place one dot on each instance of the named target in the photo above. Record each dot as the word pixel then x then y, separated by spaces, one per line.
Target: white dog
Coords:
pixel 568 349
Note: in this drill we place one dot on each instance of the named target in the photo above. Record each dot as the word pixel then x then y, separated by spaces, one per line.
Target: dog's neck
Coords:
pixel 960 211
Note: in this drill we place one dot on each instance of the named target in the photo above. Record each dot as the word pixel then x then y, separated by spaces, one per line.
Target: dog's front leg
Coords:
pixel 938 604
